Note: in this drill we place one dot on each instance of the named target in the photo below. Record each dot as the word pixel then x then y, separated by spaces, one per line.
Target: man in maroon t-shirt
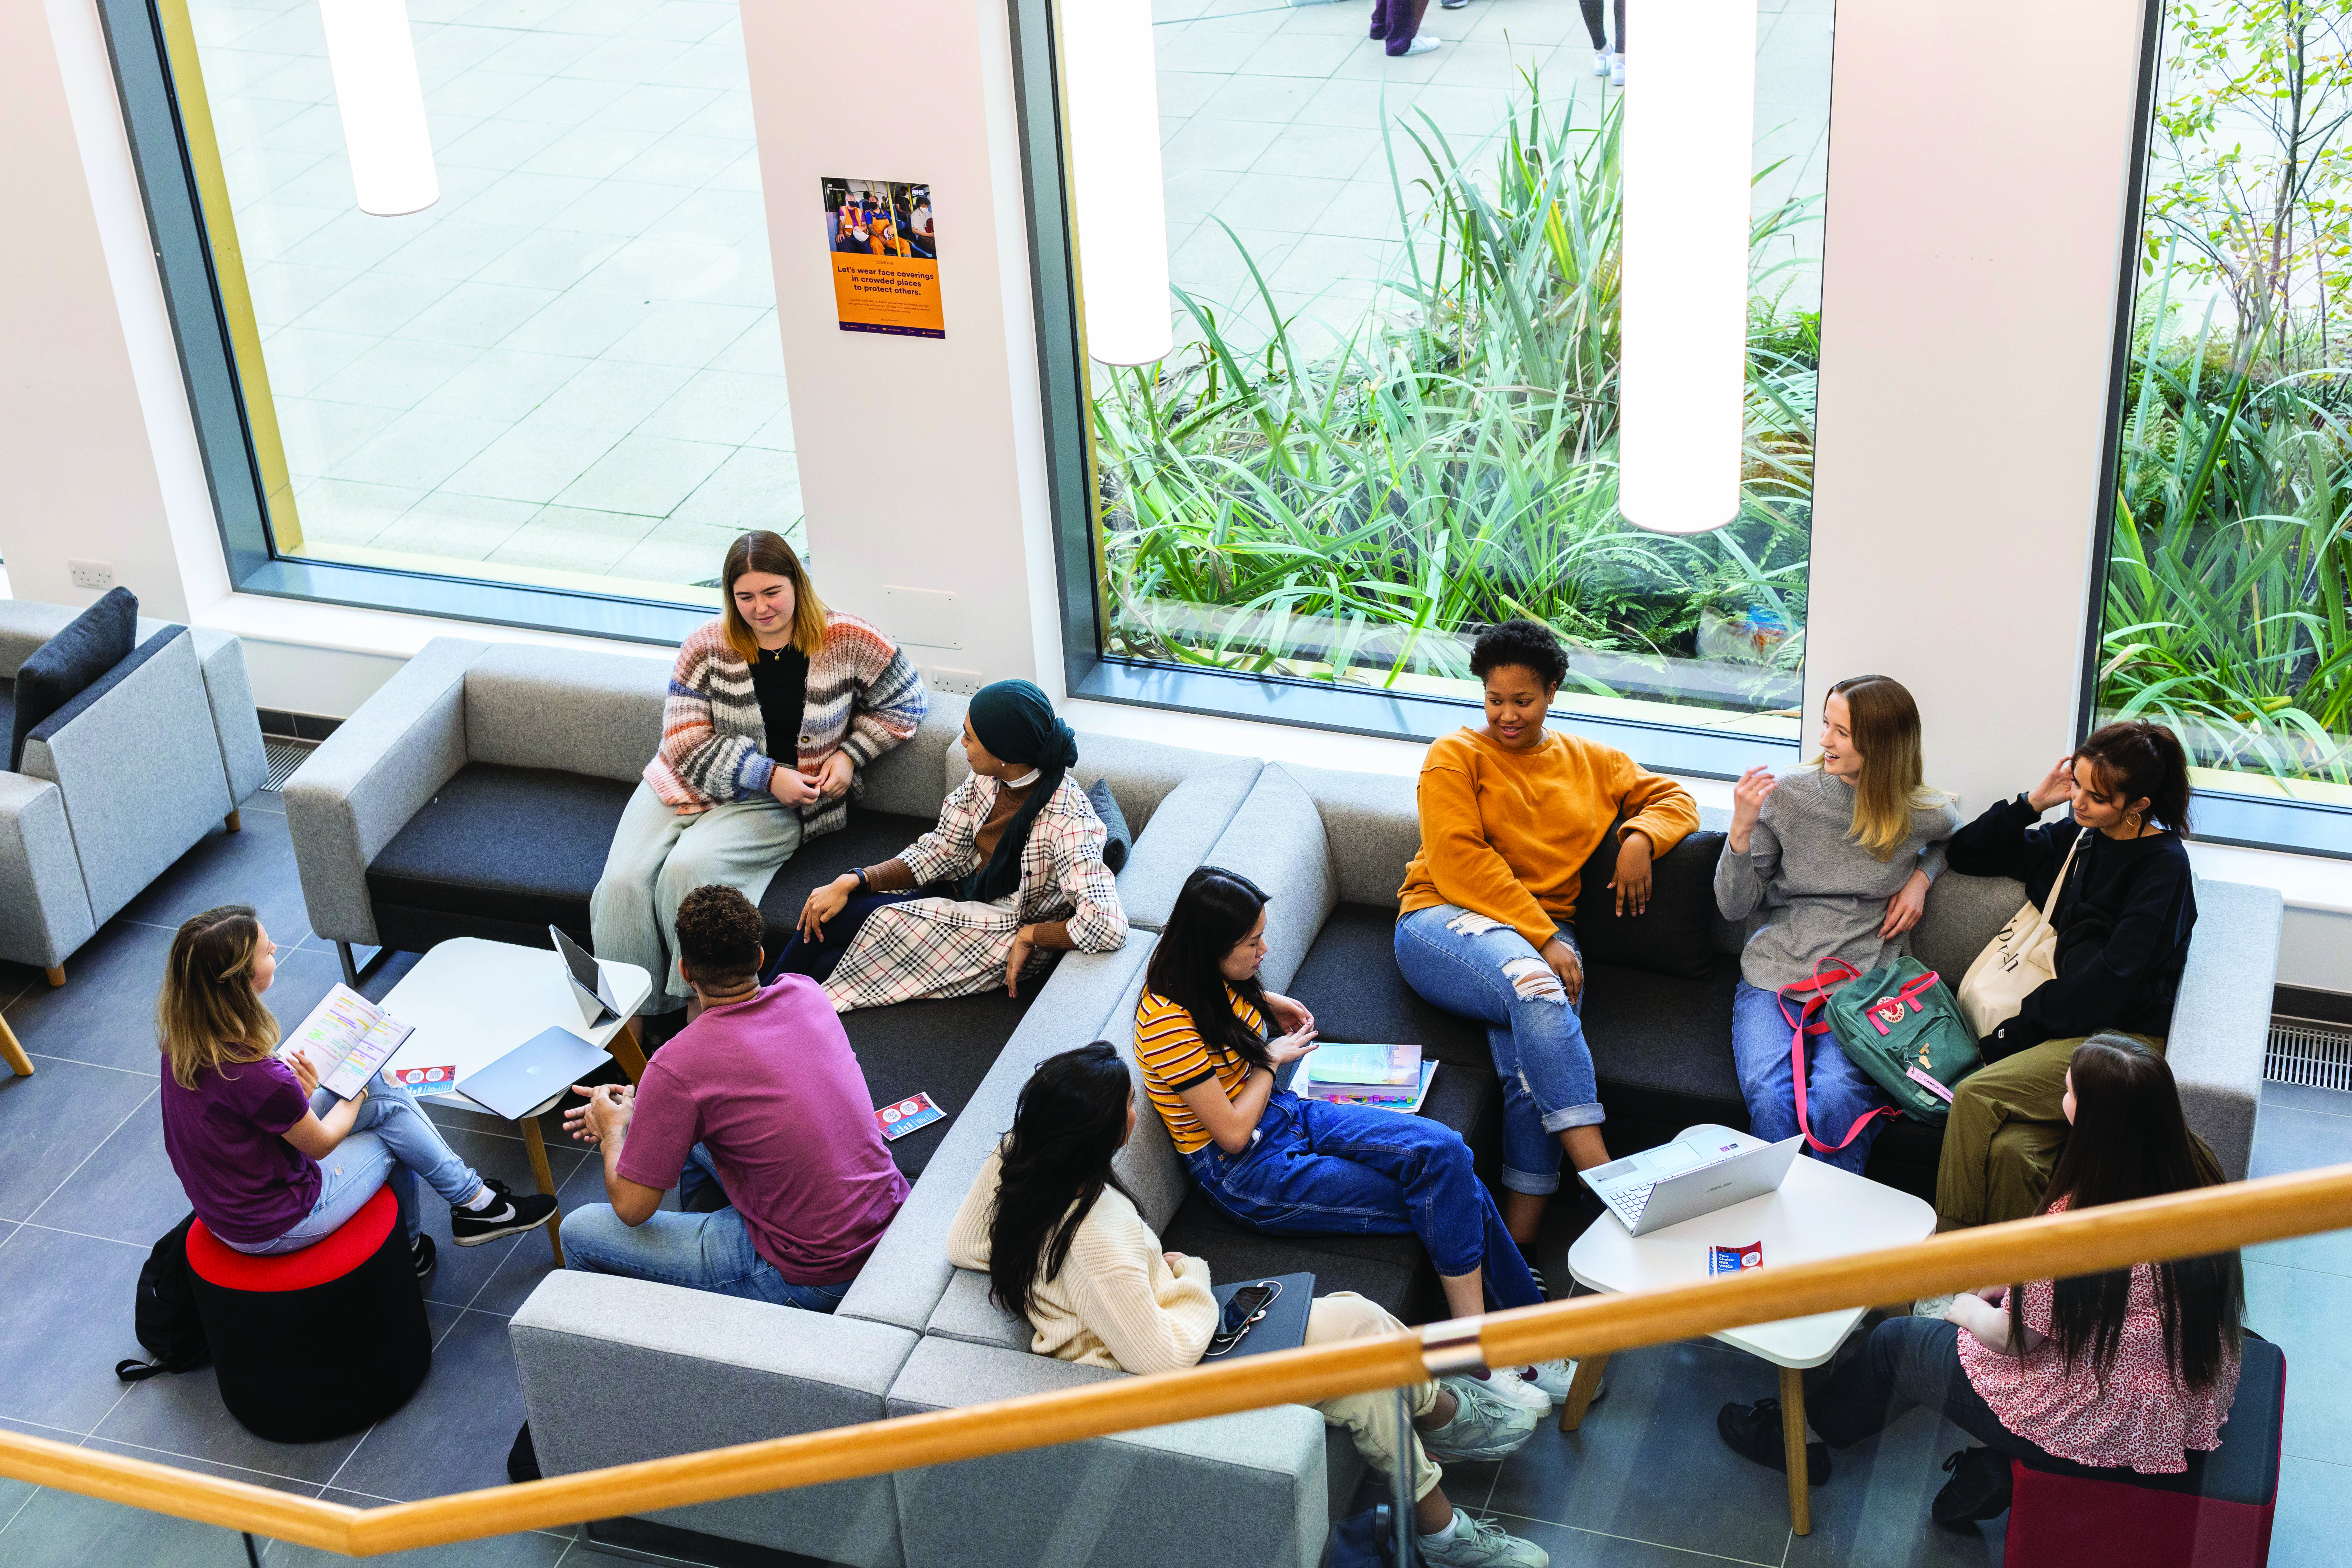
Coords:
pixel 761 1094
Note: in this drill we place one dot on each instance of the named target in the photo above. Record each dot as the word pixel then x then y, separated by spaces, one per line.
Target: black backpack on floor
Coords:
pixel 1368 1540
pixel 165 1317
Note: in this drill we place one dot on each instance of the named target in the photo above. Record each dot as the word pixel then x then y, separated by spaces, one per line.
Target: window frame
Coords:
pixel 2220 816
pixel 1695 750
pixel 216 398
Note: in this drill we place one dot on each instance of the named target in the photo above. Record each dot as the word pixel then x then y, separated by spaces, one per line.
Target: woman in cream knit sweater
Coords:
pixel 1063 1246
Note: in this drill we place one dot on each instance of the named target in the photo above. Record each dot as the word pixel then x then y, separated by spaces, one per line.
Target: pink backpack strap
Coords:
pixel 1802 1025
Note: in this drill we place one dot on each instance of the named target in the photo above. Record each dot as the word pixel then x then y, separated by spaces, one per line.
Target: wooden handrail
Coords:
pixel 2183 1224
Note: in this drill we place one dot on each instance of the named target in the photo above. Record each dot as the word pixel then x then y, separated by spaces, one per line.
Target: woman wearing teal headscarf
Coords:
pixel 1012 873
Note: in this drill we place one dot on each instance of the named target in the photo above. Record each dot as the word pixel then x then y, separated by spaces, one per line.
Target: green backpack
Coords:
pixel 1898 1024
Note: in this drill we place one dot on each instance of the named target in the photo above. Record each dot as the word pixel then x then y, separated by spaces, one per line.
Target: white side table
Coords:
pixel 1817 1211
pixel 471 1001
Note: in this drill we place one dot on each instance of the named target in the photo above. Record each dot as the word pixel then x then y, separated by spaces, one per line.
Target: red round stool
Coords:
pixel 316 1344
pixel 2216 1514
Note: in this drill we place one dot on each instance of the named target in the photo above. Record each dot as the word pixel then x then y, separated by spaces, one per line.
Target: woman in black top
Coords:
pixel 2123 921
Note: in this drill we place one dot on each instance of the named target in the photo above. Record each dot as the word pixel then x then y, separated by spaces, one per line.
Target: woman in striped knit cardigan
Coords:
pixel 773 707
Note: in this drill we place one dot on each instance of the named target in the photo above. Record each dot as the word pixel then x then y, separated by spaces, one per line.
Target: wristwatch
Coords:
pixel 864 883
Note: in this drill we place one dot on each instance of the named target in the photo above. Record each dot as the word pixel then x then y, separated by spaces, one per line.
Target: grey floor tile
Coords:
pixel 2329 1252
pixel 276 1480
pixel 2286 1138
pixel 1571 1547
pixel 182 1413
pixel 2304 1096
pixel 58 1530
pixel 126 1190
pixel 254 865
pixel 453 1433
pixel 77 1292
pixel 52 1122
pixel 1874 1508
pixel 2303 1312
pixel 105 1012
pixel 462 1272
pixel 2315 1514
pixel 1646 1464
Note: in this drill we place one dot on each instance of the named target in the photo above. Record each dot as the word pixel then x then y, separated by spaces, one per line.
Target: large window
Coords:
pixel 1390 416
pixel 565 376
pixel 2226 608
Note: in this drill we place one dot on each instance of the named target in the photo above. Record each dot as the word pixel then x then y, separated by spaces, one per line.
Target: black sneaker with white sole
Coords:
pixel 507 1216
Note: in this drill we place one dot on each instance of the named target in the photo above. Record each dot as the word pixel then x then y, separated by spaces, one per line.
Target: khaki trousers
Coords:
pixel 1371 1418
pixel 2006 1132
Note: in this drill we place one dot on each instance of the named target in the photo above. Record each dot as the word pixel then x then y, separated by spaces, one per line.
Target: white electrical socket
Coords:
pixel 92 574
pixel 956 682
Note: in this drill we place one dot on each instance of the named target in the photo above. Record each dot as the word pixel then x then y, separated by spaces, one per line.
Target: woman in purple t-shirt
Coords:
pixel 248 1131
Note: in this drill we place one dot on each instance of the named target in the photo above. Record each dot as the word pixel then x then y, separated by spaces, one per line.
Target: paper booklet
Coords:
pixel 1406 1098
pixel 1364 1067
pixel 346 1039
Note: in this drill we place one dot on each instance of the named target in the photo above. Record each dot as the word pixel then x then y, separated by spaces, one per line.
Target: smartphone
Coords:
pixel 1244 1307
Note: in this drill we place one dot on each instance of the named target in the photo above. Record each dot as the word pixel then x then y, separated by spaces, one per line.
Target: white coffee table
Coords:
pixel 1817 1211
pixel 471 1001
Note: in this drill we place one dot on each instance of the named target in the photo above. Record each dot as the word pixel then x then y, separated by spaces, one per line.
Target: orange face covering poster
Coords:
pixel 885 256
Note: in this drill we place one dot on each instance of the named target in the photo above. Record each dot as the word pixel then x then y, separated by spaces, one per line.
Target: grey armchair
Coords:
pixel 78 841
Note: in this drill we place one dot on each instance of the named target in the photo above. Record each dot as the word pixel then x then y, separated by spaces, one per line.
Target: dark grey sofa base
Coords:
pixel 642 1541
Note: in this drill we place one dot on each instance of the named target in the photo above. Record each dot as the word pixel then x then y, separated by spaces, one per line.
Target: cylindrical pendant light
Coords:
pixel 375 61
pixel 1689 151
pixel 1110 84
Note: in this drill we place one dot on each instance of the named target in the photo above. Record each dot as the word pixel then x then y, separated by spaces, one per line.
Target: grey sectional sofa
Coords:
pixel 76 845
pixel 615 1369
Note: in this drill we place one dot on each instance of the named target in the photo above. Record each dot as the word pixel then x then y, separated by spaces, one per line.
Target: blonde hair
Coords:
pixel 1884 723
pixel 208 1015
pixel 761 551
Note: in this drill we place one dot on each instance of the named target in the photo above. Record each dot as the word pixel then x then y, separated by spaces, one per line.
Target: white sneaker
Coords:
pixel 1932 1306
pixel 1513 1385
pixel 1601 62
pixel 1485 1425
pixel 1481 1543
pixel 1422 44
pixel 1616 70
pixel 1453 5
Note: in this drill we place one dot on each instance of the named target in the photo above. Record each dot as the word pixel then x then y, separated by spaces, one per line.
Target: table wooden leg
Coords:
pixel 628 1050
pixel 536 1147
pixel 1580 1389
pixel 12 1053
pixel 1793 1448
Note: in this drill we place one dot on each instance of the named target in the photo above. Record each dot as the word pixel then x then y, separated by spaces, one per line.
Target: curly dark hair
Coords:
pixel 720 934
pixel 1529 644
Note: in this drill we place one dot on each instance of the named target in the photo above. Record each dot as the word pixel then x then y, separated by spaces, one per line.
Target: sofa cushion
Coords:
pixel 1277 841
pixel 867 838
pixel 1676 934
pixel 522 846
pixel 1184 824
pixel 1117 840
pixel 78 656
pixel 1390 1270
pixel 940 1049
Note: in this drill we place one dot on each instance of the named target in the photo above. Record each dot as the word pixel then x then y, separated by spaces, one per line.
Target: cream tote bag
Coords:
pixel 2024 957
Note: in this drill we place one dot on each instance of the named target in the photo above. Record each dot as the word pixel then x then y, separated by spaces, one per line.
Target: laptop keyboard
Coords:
pixel 1628 1203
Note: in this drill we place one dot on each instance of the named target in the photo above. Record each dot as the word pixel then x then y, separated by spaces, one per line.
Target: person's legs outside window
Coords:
pixel 1397 23
pixel 1551 1098
pixel 696 1251
pixel 740 845
pixel 622 923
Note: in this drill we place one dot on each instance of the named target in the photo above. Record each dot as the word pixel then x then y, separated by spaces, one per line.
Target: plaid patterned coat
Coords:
pixel 862 697
pixel 939 947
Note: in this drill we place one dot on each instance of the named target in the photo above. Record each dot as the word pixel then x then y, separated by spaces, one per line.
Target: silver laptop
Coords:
pixel 534 1075
pixel 1705 1169
pixel 588 988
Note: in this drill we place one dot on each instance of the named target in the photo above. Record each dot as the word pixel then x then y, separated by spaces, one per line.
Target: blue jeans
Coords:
pixel 700 1251
pixel 390 1143
pixel 1906 1363
pixel 1837 1093
pixel 1537 1041
pixel 1317 1169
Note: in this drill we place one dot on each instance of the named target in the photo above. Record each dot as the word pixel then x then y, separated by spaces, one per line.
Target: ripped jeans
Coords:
pixel 1537 1040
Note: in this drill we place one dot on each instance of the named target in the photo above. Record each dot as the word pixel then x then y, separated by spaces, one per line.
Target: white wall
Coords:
pixel 1975 214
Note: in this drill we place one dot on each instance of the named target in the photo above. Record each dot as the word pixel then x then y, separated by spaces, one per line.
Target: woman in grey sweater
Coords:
pixel 1834 861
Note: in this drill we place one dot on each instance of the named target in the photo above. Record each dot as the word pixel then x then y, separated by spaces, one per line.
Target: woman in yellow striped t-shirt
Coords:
pixel 1291 1166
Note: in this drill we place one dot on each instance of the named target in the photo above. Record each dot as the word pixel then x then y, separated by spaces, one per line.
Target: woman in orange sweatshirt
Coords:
pixel 1509 814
